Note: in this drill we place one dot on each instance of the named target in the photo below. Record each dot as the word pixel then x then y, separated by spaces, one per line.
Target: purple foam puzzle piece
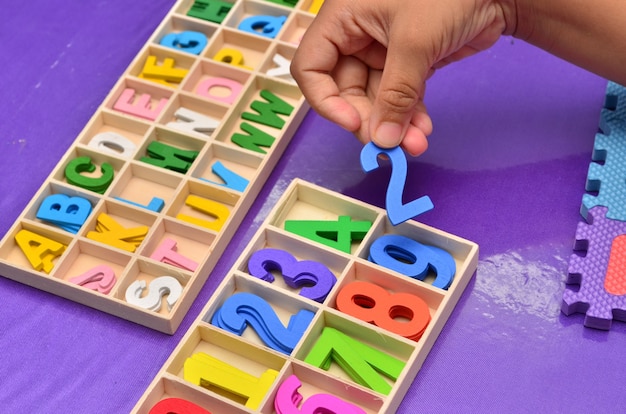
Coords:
pixel 599 306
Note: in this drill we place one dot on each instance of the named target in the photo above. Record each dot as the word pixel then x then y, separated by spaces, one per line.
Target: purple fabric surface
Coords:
pixel 506 168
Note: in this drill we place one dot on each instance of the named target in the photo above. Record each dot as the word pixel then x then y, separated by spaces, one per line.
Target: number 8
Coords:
pixel 373 304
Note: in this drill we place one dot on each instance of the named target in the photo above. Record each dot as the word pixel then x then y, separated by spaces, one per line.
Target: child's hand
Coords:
pixel 363 63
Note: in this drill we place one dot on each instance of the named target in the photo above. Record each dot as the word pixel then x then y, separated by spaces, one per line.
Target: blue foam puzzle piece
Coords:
pixel 607 172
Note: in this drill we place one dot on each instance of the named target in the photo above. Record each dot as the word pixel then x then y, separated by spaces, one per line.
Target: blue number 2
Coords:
pixel 396 211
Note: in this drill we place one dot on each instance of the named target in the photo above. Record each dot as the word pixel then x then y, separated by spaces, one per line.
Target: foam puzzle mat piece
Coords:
pixel 594 299
pixel 599 273
pixel 607 174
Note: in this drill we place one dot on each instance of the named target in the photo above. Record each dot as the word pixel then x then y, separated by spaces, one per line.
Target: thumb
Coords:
pixel 399 92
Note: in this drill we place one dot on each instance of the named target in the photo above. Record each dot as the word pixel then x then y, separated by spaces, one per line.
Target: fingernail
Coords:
pixel 388 134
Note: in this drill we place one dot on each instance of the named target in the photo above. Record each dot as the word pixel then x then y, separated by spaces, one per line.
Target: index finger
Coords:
pixel 313 65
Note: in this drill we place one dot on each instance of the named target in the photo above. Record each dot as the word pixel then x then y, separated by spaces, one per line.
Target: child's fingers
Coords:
pixel 407 66
pixel 312 67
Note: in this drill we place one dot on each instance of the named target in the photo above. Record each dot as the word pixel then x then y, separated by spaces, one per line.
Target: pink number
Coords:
pixel 288 398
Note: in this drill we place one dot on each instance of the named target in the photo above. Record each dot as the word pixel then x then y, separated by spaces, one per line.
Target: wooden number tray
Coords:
pixel 305 321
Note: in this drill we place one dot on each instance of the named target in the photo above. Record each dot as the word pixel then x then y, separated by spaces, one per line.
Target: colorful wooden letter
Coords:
pixel 166 253
pixel 101 279
pixel 141 107
pixel 266 26
pixel 159 287
pixel 74 175
pixel 187 41
pixel 69 213
pixel 209 207
pixel 39 250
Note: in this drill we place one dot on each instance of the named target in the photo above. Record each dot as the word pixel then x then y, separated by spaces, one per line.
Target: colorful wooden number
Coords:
pixel 364 364
pixel 243 309
pixel 401 313
pixel 209 372
pixel 337 234
pixel 287 400
pixel 396 210
pixel 159 287
pixel 101 279
pixel 316 278
pixel 413 259
pixel 176 406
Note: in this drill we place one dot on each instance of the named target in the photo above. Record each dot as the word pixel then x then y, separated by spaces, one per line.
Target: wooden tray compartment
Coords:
pixel 182 62
pixel 209 69
pixel 251 47
pixel 272 238
pixel 315 382
pixel 241 162
pixel 227 348
pixel 170 387
pixel 54 188
pixel 250 8
pixel 141 182
pixel 96 158
pixel 111 122
pixel 282 305
pixel 391 345
pixel 182 23
pixel 295 28
pixel 156 95
pixel 278 60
